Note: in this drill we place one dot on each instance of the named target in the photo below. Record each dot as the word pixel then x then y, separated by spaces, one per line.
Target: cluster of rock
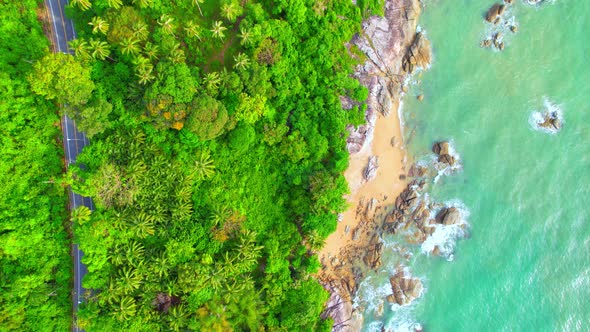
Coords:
pixel 404 287
pixel 445 156
pixel 419 54
pixel 494 15
pixel 413 211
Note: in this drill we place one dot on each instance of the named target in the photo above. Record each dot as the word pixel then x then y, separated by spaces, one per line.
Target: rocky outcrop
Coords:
pixel 419 54
pixel 405 288
pixel 339 306
pixel 370 171
pixel 384 41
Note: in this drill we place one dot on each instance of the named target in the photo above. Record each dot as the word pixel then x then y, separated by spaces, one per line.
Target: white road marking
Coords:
pixel 53 21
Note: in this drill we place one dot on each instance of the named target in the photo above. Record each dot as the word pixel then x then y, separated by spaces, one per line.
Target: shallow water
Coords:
pixel 526 263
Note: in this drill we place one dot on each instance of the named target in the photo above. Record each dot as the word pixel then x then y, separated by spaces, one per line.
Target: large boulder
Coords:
pixel 448 216
pixel 494 11
pixel 405 288
pixel 441 148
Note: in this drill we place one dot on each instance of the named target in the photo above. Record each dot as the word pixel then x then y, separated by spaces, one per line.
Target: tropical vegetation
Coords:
pixel 34 246
pixel 218 148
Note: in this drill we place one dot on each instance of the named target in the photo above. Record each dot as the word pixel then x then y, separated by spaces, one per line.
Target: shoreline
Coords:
pixel 378 164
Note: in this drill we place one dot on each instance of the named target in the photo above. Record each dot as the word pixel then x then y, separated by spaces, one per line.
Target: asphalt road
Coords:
pixel 74 141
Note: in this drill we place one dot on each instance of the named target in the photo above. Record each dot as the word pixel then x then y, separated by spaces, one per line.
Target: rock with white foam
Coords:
pixel 405 288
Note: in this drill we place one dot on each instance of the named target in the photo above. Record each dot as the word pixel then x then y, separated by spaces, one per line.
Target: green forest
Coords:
pixel 35 265
pixel 216 162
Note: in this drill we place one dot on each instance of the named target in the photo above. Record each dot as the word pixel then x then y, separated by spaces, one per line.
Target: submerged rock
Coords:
pixel 417 171
pixel 486 43
pixel 495 11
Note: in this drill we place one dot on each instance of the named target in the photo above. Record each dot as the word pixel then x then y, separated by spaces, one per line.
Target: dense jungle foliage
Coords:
pixel 216 157
pixel 34 247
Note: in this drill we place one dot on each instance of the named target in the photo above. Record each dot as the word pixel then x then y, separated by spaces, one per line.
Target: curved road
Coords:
pixel 74 141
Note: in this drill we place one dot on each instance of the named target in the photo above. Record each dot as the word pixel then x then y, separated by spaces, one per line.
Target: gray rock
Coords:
pixel 370 172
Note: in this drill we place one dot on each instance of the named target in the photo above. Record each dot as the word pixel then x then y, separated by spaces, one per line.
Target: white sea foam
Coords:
pixel 445 236
pixel 538 116
pixel 372 293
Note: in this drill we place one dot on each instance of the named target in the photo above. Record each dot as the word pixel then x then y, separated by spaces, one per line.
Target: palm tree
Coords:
pixel 218 30
pixel 177 55
pixel 83 4
pixel 143 225
pixel 197 2
pixel 245 36
pixel 144 3
pixel 241 61
pixel 135 253
pixel 128 280
pixel 166 22
pixel 160 266
pixel 125 309
pixel 99 25
pixel 130 46
pixel 193 30
pixel 80 48
pixel 140 30
pixel 145 77
pixel 229 11
pixel 116 256
pixel 143 69
pixel 204 167
pixel 80 215
pixel 178 317
pixel 100 49
pixel 114 3
pixel 151 50
pixel 212 80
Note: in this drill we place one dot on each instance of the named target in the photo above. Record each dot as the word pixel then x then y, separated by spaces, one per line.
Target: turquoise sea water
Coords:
pixel 526 264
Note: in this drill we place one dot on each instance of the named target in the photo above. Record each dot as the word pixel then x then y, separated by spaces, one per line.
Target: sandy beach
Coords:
pixel 385 187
